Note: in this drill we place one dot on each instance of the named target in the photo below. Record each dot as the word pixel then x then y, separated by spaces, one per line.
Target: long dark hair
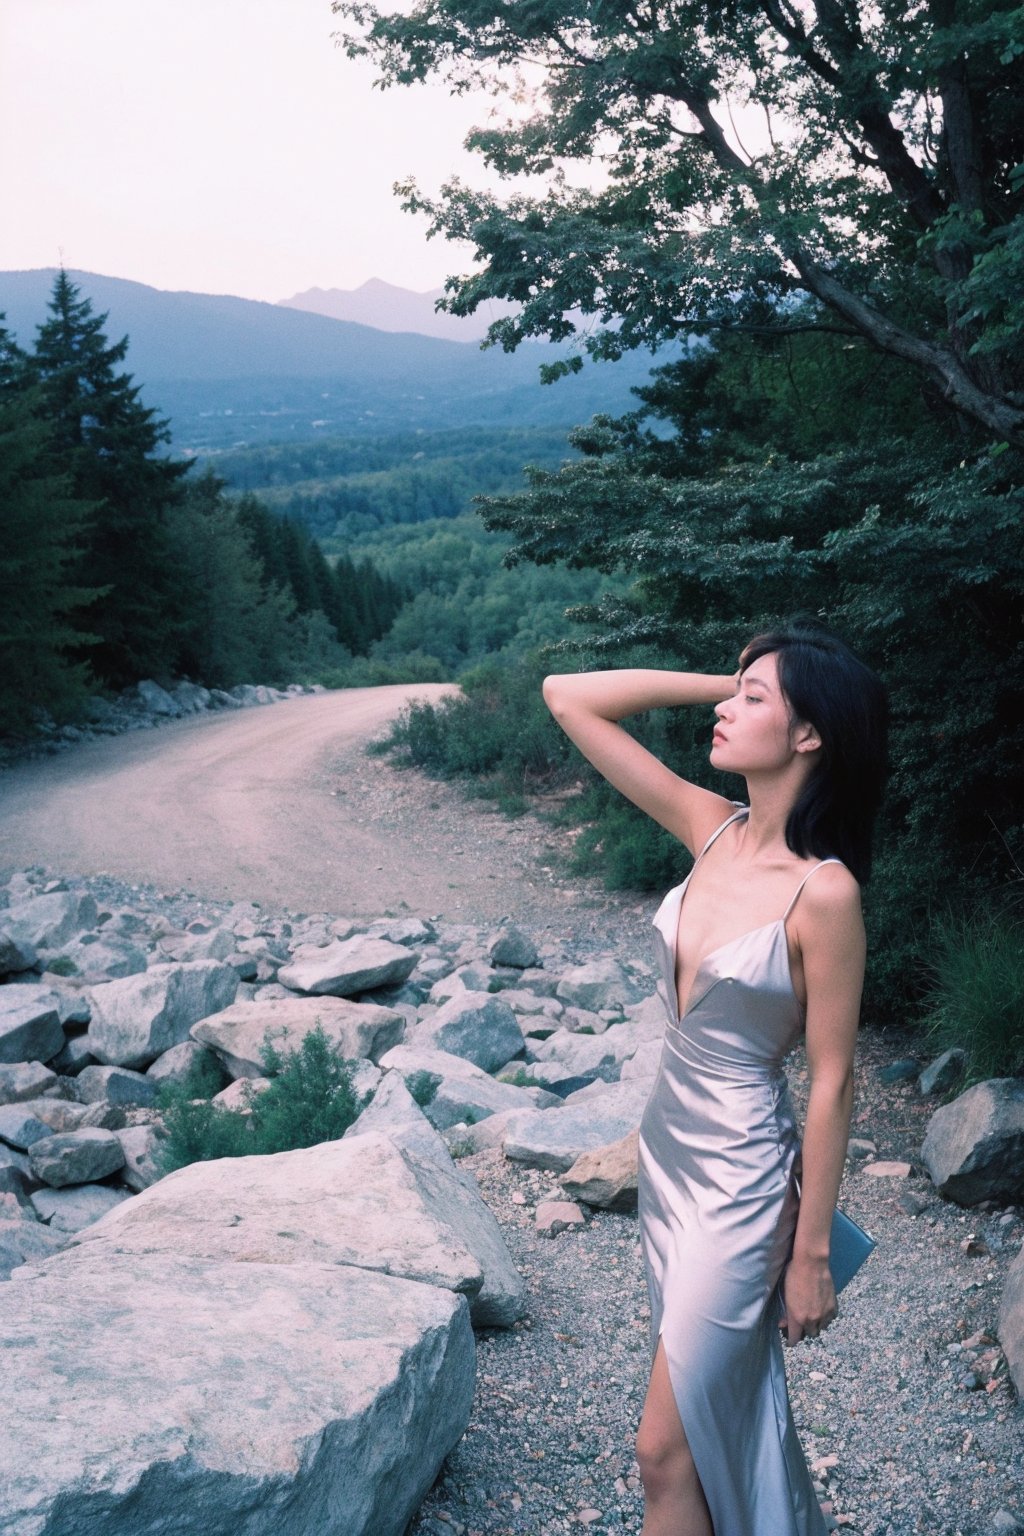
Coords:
pixel 827 686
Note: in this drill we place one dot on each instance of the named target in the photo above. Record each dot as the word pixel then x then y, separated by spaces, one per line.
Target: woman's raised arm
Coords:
pixel 588 706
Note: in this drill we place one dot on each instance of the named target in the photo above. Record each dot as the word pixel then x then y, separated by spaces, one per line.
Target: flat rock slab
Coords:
pixel 237 1033
pixel 138 1018
pixel 354 1201
pixel 457 1089
pixel 30 1027
pixel 231 1399
pixel 348 966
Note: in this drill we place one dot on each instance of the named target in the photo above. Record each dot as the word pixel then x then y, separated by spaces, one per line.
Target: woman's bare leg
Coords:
pixel 674 1502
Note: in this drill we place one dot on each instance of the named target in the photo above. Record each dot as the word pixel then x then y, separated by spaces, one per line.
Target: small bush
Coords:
pixel 62 965
pixel 309 1100
pixel 976 996
pixel 423 1086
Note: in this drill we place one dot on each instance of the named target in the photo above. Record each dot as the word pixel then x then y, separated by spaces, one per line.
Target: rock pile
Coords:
pixel 147 704
pixel 461 1040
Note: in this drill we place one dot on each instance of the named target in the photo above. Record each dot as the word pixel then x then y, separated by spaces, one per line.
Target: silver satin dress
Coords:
pixel 718 1206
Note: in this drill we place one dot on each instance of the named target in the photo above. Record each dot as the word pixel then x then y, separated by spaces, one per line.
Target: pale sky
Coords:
pixel 223 146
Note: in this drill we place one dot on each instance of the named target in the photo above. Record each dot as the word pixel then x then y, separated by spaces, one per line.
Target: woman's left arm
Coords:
pixel 832 947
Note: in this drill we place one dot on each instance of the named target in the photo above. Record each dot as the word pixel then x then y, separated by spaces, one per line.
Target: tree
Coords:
pixel 41 527
pixel 862 162
pixel 105 441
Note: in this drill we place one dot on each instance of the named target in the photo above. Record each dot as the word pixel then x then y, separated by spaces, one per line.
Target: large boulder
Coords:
pixel 30 1027
pixel 475 1025
pixel 347 966
pixel 394 1113
pixel 96 959
pixel 1010 1326
pixel 237 1034
pixel 452 1089
pixel 564 1054
pixel 20 1127
pixel 116 1085
pixel 139 1144
pixel 47 922
pixel 974 1147
pixel 171 1394
pixel 76 1157
pixel 137 1018
pixel 599 984
pixel 355 1201
pixel 511 946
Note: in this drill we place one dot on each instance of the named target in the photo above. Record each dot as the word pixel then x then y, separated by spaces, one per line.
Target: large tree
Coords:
pixel 863 161
pixel 106 442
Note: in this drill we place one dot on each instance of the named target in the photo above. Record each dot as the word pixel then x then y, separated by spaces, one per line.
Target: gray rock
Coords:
pixel 107 1117
pixel 102 959
pixel 216 944
pixel 58 1114
pixel 116 1085
pixel 15 955
pixel 73 1056
pixel 47 922
pixel 464 1139
pixel 402 930
pixel 190 698
pixel 237 1034
pixel 1010 1326
pixel 644 1061
pixel 175 1065
pixel 554 1216
pixel 474 1025
pixel 76 1157
pixel 974 1147
pixel 556 1138
pixel 902 1071
pixel 455 1199
pixel 25 1080
pixel 347 966
pixel 599 984
pixel 24 1242
pixel 30 1028
pixel 943 1073
pixel 394 1112
pixel 511 946
pixel 71 1210
pixel 573 1055
pixel 16 1177
pixel 137 1018
pixel 20 1128
pixel 240 1399
pixel 156 700
pixel 462 1091
pixel 139 1143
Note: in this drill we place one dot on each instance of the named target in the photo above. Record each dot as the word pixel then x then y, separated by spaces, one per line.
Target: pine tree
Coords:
pixel 105 441
pixel 41 525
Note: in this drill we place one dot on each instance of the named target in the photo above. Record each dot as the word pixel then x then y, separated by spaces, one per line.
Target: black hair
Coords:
pixel 830 688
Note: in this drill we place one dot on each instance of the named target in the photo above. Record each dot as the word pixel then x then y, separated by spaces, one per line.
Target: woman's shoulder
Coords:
pixel 829 892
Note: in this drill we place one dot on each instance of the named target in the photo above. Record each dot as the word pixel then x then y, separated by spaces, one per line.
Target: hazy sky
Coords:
pixel 225 146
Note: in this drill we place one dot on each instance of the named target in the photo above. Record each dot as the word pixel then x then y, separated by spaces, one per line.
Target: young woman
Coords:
pixel 763 941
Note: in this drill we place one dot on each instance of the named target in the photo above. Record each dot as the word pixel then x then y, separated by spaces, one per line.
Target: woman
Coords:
pixel 763 940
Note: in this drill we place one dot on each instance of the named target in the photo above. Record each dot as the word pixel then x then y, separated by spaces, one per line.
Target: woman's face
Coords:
pixel 754 733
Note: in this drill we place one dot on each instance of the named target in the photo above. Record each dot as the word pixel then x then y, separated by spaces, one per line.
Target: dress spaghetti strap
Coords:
pixel 804 881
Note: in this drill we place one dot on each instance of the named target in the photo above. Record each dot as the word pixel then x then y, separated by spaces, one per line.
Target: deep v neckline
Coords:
pixel 691 1001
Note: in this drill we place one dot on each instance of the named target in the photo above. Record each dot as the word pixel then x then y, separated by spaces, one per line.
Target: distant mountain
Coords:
pixel 388 308
pixel 229 370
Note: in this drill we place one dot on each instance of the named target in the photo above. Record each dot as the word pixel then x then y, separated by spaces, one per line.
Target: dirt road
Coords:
pixel 281 805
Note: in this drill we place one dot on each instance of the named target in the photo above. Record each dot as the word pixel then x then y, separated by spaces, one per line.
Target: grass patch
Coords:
pixel 975 998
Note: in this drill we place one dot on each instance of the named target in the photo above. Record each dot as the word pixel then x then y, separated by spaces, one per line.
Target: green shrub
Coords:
pixel 310 1100
pixel 422 1086
pixel 622 845
pixel 62 965
pixel 976 993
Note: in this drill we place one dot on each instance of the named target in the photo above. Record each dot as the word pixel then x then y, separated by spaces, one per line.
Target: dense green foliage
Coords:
pixel 975 998
pixel 845 436
pixel 309 1100
pixel 117 564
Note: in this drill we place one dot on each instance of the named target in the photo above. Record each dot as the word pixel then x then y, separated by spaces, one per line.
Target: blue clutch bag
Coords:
pixel 849 1247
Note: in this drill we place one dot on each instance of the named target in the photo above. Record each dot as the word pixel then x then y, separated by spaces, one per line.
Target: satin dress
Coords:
pixel 718 1207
